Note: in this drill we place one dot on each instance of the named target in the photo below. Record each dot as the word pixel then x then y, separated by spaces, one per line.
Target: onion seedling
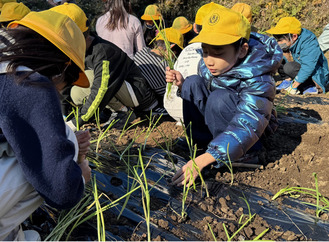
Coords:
pixel 193 150
pixel 168 143
pixel 146 199
pixel 248 206
pixel 67 218
pixel 168 55
pixel 102 133
pixel 100 217
pixel 151 127
pixel 80 213
pixel 308 192
pixel 75 112
pixel 124 129
pixel 229 238
pixel 212 233
pixel 186 189
pixel 261 235
pixel 228 164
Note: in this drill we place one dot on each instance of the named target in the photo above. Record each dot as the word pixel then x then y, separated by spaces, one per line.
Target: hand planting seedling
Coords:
pixel 169 54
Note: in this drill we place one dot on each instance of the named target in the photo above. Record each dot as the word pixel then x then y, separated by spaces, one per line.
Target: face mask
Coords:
pixel 284 47
pixel 149 26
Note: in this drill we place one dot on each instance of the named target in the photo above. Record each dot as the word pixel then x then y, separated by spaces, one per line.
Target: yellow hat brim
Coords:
pixel 215 38
pixel 184 31
pixel 4 19
pixel 82 81
pixel 161 38
pixel 276 31
pixel 150 17
pixel 179 46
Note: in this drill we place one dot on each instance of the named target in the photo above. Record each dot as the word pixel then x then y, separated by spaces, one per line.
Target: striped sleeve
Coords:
pixel 153 69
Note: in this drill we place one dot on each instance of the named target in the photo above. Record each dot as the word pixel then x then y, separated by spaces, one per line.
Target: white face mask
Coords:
pixel 284 46
pixel 149 26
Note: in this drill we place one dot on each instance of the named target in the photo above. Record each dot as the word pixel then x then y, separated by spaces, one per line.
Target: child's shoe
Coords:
pixel 159 110
pixel 27 235
pixel 32 235
pixel 311 90
pixel 284 84
pixel 292 91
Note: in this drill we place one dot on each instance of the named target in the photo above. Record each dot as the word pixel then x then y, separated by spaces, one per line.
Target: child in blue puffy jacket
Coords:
pixel 229 103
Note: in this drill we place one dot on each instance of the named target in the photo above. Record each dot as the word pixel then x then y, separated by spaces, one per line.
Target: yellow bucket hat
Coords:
pixel 61 31
pixel 3 2
pixel 151 13
pixel 204 10
pixel 182 24
pixel 172 35
pixel 244 9
pixel 223 27
pixel 13 11
pixel 286 25
pixel 75 13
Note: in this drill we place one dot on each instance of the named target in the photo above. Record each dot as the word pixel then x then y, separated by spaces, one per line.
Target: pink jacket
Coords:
pixel 130 39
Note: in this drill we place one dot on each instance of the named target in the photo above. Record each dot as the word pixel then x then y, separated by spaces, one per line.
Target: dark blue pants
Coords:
pixel 291 69
pixel 209 112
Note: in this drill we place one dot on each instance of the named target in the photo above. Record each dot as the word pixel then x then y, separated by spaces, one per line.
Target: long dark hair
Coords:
pixel 118 10
pixel 30 49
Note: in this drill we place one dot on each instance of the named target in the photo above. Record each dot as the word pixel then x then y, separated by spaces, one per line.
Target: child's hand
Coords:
pixel 183 175
pixel 85 169
pixel 188 173
pixel 175 77
pixel 83 138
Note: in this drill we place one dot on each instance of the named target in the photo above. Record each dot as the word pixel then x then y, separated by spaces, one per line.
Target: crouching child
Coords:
pixel 229 104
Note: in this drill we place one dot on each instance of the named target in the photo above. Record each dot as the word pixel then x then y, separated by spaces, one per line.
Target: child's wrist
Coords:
pixel 294 88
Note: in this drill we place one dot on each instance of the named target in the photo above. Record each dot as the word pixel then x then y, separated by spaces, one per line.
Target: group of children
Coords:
pixel 223 90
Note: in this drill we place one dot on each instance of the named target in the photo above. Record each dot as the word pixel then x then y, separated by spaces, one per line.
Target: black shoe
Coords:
pixel 159 111
pixel 155 111
pixel 121 119
pixel 105 115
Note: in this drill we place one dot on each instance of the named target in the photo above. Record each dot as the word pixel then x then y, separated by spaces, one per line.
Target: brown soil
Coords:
pixel 289 157
pixel 296 150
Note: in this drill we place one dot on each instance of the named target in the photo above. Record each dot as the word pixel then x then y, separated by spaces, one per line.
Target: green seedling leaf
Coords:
pixel 246 201
pixel 169 55
pixel 261 235
pixel 212 233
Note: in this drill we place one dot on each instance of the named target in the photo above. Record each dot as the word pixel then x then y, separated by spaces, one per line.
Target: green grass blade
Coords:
pixel 261 235
pixel 212 233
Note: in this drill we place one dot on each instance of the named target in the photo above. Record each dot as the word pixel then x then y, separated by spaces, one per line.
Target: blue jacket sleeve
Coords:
pixel 308 58
pixel 32 122
pixel 250 121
